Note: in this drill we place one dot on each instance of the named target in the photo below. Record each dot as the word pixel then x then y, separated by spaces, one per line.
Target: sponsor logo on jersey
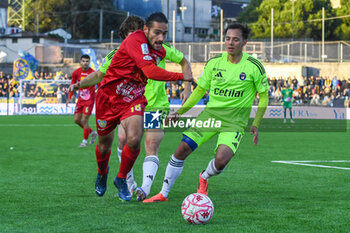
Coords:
pixel 228 92
pixel 101 123
pixel 147 58
pixel 264 82
pixel 217 69
pixel 242 76
pixel 144 48
pixel 219 75
pixel 152 120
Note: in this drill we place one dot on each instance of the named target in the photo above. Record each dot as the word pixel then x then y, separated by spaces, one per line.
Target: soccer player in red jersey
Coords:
pixel 85 102
pixel 120 98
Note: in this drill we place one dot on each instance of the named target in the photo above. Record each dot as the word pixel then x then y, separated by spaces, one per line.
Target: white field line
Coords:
pixel 307 163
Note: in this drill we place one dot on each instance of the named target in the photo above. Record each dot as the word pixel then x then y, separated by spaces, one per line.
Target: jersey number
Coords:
pixel 136 108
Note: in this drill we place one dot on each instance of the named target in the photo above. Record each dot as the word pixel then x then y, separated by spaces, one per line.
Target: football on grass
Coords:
pixel 197 208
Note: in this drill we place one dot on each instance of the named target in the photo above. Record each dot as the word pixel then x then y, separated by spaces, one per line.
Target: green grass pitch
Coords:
pixel 47 183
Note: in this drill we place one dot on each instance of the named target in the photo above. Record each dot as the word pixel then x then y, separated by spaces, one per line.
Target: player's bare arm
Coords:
pixel 90 80
pixel 197 94
pixel 186 67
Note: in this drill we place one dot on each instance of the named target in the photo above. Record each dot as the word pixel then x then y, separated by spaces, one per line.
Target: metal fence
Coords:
pixel 281 52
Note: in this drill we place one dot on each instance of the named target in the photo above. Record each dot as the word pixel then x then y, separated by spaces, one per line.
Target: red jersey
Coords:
pixel 86 94
pixel 124 73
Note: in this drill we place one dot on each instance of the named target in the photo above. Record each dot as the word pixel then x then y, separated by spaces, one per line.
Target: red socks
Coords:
pixel 86 133
pixel 102 161
pixel 129 157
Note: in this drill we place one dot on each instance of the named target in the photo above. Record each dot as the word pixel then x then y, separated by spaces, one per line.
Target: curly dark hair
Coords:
pixel 130 24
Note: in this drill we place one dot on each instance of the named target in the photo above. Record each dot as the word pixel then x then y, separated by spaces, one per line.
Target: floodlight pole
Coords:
pixel 101 24
pixel 37 24
pixel 293 19
pixel 271 34
pixel 112 39
pixel 323 35
pixel 174 29
pixel 221 28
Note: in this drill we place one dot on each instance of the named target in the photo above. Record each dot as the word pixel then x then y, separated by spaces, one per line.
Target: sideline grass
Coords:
pixel 47 184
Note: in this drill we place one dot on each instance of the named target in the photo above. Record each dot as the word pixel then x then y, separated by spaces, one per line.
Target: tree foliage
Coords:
pixel 306 22
pixel 79 17
pixel 343 29
pixel 250 14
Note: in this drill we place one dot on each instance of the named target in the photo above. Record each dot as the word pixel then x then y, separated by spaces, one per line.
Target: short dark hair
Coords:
pixel 243 27
pixel 130 24
pixel 85 56
pixel 156 17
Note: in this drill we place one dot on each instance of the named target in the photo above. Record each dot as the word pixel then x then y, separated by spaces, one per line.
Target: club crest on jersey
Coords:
pixel 147 58
pixel 144 48
pixel 242 76
pixel 101 123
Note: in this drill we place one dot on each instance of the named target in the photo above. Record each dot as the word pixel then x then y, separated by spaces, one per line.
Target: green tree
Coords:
pixel 343 29
pixel 250 13
pixel 287 26
pixel 79 17
pixel 316 26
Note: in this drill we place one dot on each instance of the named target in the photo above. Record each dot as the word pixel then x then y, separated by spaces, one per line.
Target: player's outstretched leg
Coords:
pixel 202 185
pixel 130 181
pixel 128 159
pixel 174 168
pixel 120 184
pixel 215 167
pixel 103 152
pixel 101 184
pixel 150 167
pixel 172 172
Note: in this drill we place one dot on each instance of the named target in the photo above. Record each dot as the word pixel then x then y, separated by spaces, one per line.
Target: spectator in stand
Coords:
pixel 279 83
pixel 343 84
pixel 295 83
pixel 335 82
pixel 296 96
pixel 338 91
pixel 277 95
pixel 315 99
pixel 274 82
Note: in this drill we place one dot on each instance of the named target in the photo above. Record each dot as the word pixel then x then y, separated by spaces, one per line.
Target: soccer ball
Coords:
pixel 197 208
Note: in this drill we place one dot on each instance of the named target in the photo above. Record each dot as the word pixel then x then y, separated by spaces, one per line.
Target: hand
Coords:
pixel 172 117
pixel 187 75
pixel 184 96
pixel 254 130
pixel 73 87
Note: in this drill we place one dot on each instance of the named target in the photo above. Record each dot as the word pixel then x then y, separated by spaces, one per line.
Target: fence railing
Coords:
pixel 280 52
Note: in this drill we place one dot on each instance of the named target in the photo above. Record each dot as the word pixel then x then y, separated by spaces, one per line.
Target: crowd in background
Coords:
pixel 33 89
pixel 313 90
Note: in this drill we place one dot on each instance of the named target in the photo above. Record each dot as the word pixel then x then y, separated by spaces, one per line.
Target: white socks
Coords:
pixel 173 171
pixel 85 141
pixel 211 170
pixel 150 167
